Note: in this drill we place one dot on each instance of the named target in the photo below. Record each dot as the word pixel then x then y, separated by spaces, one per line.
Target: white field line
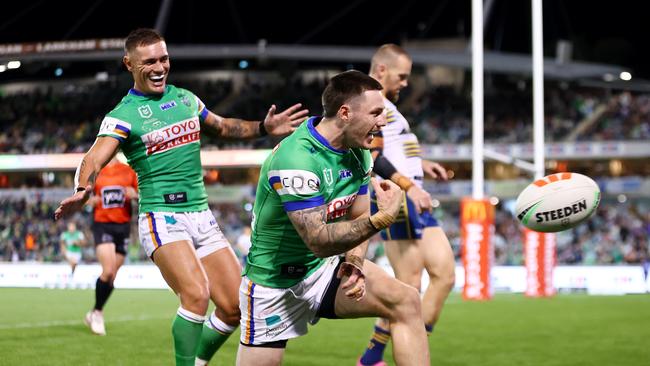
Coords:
pixel 58 323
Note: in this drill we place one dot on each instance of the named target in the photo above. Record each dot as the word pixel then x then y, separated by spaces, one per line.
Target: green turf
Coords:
pixel 44 327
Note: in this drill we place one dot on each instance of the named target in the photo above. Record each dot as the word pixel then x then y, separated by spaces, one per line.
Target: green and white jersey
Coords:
pixel 71 239
pixel 303 171
pixel 160 136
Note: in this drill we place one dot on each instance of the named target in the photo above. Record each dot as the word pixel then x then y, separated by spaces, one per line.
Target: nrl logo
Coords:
pixel 145 111
pixel 327 174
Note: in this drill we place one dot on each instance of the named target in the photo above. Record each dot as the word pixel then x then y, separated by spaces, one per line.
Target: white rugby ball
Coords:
pixel 557 202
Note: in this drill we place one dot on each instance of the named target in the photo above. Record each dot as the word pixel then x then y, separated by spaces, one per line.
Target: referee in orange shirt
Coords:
pixel 115 187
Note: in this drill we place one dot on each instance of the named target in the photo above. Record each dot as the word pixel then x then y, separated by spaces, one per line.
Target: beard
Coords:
pixel 392 95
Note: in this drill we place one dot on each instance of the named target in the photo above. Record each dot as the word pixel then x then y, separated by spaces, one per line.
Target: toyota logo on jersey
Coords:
pixel 172 136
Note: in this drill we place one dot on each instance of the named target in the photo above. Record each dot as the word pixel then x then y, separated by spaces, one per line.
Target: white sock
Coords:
pixel 217 324
pixel 190 316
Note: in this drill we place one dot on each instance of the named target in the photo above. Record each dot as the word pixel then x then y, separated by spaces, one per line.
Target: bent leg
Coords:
pixel 224 275
pixel 406 261
pixel 223 270
pixel 440 265
pixel 182 270
pixel 399 304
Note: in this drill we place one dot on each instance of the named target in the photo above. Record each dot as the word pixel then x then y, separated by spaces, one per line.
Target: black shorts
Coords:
pixel 119 234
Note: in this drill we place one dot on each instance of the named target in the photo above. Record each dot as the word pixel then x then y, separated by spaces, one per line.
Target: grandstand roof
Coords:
pixel 606 39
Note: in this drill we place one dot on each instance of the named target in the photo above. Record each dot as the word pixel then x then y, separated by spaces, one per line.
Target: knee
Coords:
pixel 195 296
pixel 444 277
pixel 108 276
pixel 448 278
pixel 408 305
pixel 230 313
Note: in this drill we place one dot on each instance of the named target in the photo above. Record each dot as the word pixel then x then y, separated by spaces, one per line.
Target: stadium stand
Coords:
pixel 618 233
pixel 66 119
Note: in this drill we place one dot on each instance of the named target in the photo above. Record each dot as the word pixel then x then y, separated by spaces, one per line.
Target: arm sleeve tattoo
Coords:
pixel 329 239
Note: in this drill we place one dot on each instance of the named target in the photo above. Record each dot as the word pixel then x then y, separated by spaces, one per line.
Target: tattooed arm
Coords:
pixel 360 209
pixel 335 238
pixel 273 125
pixel 95 159
pixel 232 128
pixel 325 239
pixel 99 155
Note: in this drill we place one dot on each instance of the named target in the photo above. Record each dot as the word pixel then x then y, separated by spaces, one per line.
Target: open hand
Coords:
pixel 434 170
pixel 286 122
pixel 73 203
pixel 421 199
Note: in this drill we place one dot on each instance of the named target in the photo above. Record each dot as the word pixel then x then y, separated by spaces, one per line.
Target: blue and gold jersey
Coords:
pixel 401 146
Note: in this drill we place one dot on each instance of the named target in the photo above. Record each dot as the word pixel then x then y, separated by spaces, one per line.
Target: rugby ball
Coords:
pixel 557 202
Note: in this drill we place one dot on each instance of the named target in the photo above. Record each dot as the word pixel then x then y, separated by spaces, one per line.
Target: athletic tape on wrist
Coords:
pixel 381 220
pixel 404 183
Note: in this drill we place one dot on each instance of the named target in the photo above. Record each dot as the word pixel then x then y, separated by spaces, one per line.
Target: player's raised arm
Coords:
pixel 326 240
pixel 99 155
pixel 273 125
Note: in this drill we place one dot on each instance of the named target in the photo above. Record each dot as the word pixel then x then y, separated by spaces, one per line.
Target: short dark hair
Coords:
pixel 344 86
pixel 141 37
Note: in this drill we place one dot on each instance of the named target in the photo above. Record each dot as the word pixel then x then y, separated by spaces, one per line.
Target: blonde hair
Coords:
pixel 386 55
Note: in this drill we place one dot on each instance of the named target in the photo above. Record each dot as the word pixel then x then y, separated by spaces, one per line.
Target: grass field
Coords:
pixel 44 327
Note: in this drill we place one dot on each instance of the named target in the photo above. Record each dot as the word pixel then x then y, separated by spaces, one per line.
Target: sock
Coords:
pixel 186 331
pixel 375 351
pixel 102 291
pixel 428 328
pixel 215 333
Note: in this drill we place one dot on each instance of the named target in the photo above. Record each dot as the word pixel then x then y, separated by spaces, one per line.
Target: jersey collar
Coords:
pixel 138 93
pixel 319 137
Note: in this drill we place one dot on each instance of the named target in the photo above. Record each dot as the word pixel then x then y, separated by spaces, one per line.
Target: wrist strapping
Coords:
pixel 403 182
pixel 381 220
pixel 262 129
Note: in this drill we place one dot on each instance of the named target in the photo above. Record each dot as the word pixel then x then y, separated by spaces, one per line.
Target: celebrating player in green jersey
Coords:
pixel 158 128
pixel 311 206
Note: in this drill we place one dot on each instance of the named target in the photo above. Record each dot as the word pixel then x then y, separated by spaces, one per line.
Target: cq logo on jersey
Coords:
pixel 294 181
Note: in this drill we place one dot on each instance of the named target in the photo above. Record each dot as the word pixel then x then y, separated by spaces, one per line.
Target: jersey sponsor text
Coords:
pixel 173 136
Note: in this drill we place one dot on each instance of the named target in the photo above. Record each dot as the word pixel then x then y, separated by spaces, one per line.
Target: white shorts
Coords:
pixel 275 314
pixel 199 228
pixel 73 256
